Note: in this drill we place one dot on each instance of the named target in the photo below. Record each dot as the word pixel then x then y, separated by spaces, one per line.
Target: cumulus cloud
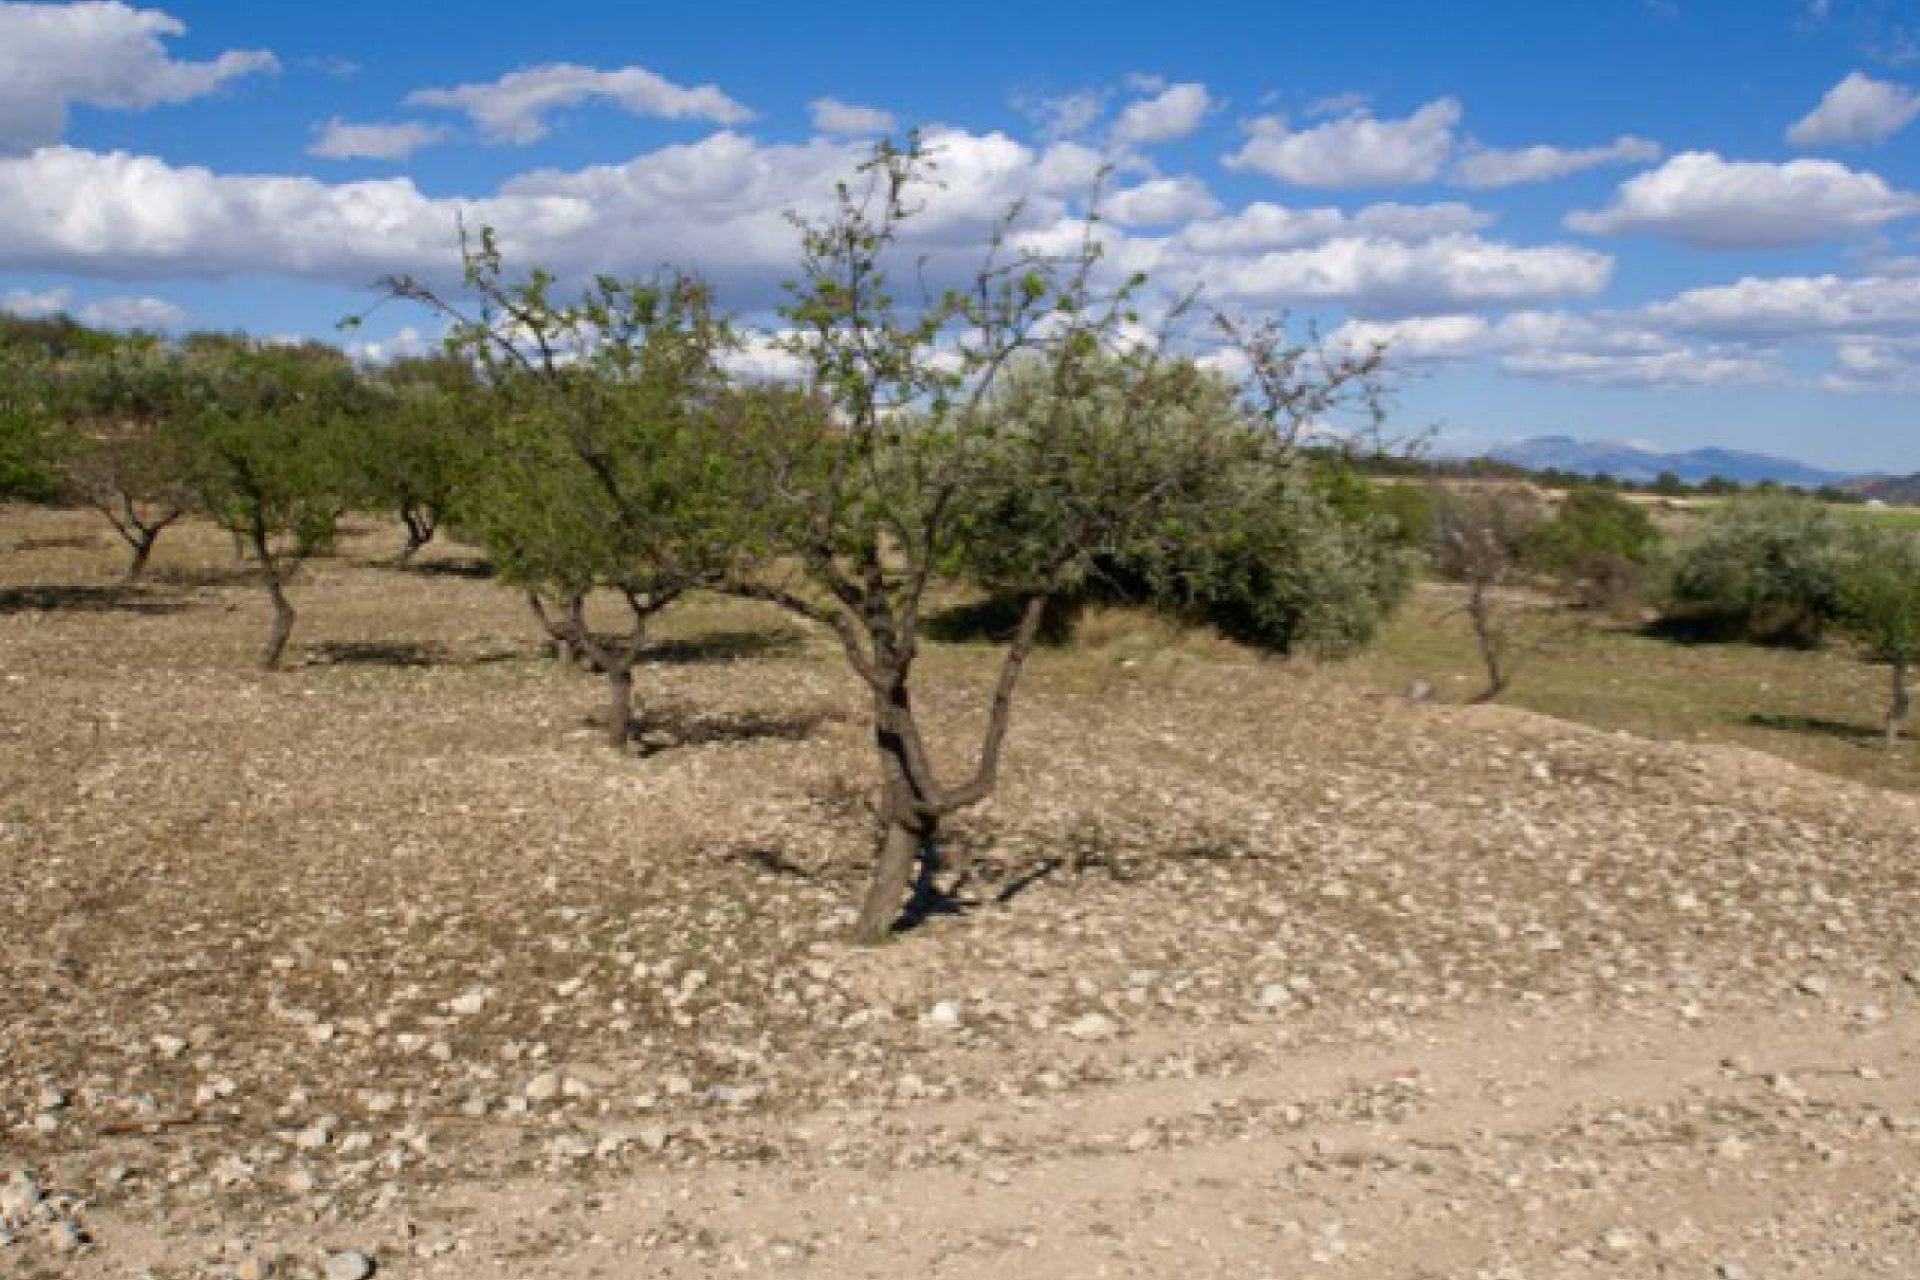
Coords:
pixel 1791 306
pixel 53 56
pixel 1875 365
pixel 1174 112
pixel 1355 150
pixel 1489 167
pixel 1376 275
pixel 1160 202
pixel 830 115
pixel 103 313
pixel 515 107
pixel 1859 109
pixel 1265 225
pixel 718 204
pixel 1602 349
pixel 1700 199
pixel 336 139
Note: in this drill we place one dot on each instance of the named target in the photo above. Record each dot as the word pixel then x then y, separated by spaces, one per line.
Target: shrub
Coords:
pixel 1764 568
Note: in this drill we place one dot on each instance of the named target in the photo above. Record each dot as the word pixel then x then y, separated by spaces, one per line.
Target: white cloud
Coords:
pixel 103 313
pixel 1488 167
pixel 1682 367
pixel 1174 112
pixel 337 139
pixel 1875 365
pixel 1789 306
pixel 830 115
pixel 405 343
pixel 717 205
pixel 1066 115
pixel 1264 225
pixel 1703 200
pixel 53 56
pixel 1376 275
pixel 133 313
pixel 1161 201
pixel 1356 150
pixel 1858 109
pixel 515 107
pixel 1560 346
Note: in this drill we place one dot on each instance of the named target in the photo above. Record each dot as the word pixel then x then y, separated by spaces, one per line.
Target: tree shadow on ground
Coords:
pixel 725 646
pixel 373 653
pixel 994 619
pixel 1858 735
pixel 447 567
pixel 74 598
pixel 668 729
pixel 229 576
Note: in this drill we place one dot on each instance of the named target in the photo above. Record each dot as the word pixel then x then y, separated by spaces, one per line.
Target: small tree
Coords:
pixel 1599 545
pixel 126 457
pixel 1481 536
pixel 270 454
pixel 593 455
pixel 1765 567
pixel 1879 604
pixel 415 441
pixel 1019 429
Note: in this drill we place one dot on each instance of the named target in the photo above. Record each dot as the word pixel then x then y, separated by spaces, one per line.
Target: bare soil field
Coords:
pixel 386 964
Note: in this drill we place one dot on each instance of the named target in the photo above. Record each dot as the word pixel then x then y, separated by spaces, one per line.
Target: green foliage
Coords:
pixel 416 442
pixel 1171 496
pixel 29 447
pixel 588 448
pixel 1599 545
pixel 270 452
pixel 1879 592
pixel 1764 567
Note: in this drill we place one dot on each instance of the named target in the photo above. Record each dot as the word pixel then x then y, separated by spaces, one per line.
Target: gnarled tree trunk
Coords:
pixel 271 577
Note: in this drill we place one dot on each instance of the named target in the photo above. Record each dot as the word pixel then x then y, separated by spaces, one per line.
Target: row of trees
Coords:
pixel 1763 568
pixel 1022 430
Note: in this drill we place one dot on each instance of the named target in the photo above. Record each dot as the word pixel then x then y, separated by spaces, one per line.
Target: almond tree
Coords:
pixel 1020 428
pixel 414 444
pixel 592 459
pixel 124 407
pixel 269 454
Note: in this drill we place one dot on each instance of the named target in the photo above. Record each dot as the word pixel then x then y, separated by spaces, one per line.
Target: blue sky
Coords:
pixel 1661 220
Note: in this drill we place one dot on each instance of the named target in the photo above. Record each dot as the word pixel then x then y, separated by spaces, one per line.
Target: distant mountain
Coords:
pixel 1900 491
pixel 1625 461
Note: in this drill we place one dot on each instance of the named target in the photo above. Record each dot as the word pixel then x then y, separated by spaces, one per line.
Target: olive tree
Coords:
pixel 592 456
pixel 1764 567
pixel 1020 427
pixel 29 447
pixel 1879 604
pixel 269 454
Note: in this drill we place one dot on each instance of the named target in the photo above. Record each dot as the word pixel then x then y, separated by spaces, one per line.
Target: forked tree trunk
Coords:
pixel 420 529
pixel 142 552
pixel 1900 706
pixel 903 838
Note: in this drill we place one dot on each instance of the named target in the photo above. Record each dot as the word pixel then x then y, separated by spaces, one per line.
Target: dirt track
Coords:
pixel 1263 973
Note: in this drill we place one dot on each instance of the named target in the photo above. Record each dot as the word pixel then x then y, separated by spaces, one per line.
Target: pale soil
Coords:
pixel 1383 990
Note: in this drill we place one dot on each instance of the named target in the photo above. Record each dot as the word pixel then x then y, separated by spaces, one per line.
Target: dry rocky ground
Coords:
pixel 385 963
